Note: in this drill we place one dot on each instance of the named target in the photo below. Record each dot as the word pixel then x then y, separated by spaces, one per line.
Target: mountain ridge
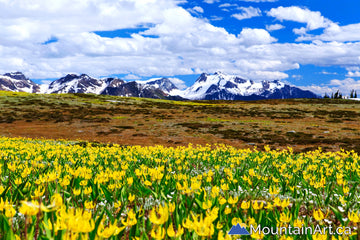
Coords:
pixel 217 86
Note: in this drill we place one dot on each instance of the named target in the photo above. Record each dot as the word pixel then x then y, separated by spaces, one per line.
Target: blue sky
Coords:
pixel 313 44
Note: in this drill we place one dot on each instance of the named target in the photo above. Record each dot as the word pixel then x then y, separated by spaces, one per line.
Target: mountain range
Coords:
pixel 217 86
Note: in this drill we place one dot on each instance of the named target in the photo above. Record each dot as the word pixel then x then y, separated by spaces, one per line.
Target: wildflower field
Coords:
pixel 64 190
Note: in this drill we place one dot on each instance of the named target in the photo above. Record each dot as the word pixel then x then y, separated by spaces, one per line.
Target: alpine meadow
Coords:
pixel 179 120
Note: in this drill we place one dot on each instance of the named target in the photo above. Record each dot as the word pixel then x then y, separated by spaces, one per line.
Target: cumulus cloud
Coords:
pixel 257 1
pixel 198 9
pixel 178 83
pixel 344 86
pixel 353 74
pixel 247 12
pixel 255 36
pixel 313 20
pixel 334 32
pixel 274 27
pixel 228 5
pixel 171 31
pixel 211 1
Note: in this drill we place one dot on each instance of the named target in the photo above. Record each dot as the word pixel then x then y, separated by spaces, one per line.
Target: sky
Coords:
pixel 312 44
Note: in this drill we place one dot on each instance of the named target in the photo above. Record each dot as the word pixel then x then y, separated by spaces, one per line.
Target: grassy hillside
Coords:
pixel 303 124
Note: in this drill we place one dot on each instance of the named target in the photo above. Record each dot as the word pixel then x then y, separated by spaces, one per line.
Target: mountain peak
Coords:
pixel 16 75
pixel 220 86
pixel 164 84
pixel 202 77
pixel 17 82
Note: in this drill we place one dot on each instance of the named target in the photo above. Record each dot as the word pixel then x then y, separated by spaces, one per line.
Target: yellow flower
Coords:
pixel 286 238
pixel 64 182
pixel 285 218
pixel 285 203
pixel 319 236
pixel 147 183
pixel 342 200
pixel 251 221
pixel 354 217
pixel 227 210
pixel 107 232
pixel 56 200
pixel 318 215
pixel 171 232
pixel 298 223
pixel 10 211
pixel 18 181
pixel 269 206
pixel 83 183
pixel 277 202
pixel 245 205
pixel 131 197
pixel 30 210
pixel 235 221
pixel 77 221
pixel 158 233
pixel 117 204
pixel 130 220
pixel 89 205
pixel 171 207
pixel 39 192
pixel 219 225
pixel 222 201
pixel 232 200
pixel 2 189
pixel 160 215
pixel 130 180
pixel 273 190
pixel 206 205
pixel 88 190
pixel 203 227
pixel 224 236
pixel 76 192
pixel 257 206
pixel 3 204
pixel 187 224
pixel 256 235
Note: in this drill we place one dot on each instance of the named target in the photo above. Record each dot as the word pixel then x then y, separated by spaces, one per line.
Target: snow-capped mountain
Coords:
pixel 217 86
pixel 220 86
pixel 73 83
pixel 17 82
pixel 164 84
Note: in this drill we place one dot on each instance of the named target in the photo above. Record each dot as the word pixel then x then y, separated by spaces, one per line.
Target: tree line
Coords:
pixel 338 94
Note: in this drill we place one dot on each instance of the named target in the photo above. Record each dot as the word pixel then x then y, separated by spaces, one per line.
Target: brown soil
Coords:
pixel 301 124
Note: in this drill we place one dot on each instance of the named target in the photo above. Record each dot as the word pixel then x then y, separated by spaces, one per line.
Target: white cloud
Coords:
pixel 211 1
pixel 252 53
pixel 313 20
pixel 328 73
pixel 334 32
pixel 274 27
pixel 297 77
pixel 273 75
pixel 247 12
pixel 178 83
pixel 255 36
pixel 353 74
pixel 228 5
pixel 131 77
pixel 198 9
pixel 257 1
pixel 344 86
pixel 216 18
